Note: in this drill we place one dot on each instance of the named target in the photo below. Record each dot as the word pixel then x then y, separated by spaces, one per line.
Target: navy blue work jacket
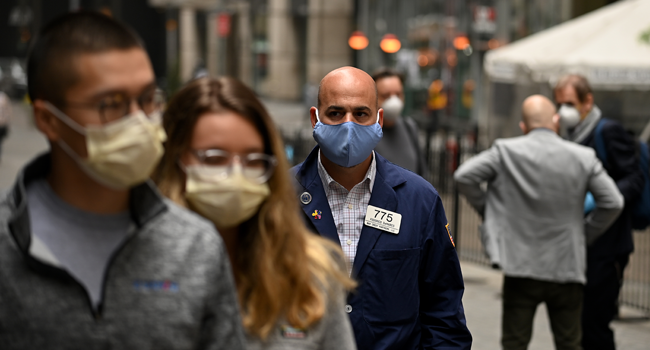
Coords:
pixel 410 283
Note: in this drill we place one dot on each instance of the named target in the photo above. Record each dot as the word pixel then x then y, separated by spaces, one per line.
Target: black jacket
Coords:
pixel 622 166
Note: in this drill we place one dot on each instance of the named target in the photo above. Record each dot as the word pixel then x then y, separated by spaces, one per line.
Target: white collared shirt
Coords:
pixel 348 207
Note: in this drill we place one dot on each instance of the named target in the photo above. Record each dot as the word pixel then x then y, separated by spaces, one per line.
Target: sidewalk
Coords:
pixel 482 302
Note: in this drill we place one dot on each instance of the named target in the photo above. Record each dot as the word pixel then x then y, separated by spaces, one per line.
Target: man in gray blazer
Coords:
pixel 533 209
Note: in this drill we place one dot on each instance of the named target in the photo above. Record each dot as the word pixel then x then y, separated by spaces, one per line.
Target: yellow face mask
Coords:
pixel 122 153
pixel 226 201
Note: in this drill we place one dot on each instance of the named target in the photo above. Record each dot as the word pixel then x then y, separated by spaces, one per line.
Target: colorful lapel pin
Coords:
pixel 317 214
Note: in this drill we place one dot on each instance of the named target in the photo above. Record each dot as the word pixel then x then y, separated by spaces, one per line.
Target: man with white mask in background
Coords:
pixel 608 256
pixel 91 255
pixel 400 144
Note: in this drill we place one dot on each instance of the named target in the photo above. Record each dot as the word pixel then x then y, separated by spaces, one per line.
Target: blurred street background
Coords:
pixel 468 66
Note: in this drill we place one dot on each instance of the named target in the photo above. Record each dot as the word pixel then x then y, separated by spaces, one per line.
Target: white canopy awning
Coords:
pixel 605 45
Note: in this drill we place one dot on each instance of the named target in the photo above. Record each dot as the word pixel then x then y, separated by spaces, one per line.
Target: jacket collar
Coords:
pixel 327 179
pixel 307 171
pixel 145 204
pixel 388 177
pixel 542 130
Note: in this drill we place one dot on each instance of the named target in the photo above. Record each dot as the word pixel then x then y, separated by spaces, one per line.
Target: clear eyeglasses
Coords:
pixel 115 106
pixel 256 167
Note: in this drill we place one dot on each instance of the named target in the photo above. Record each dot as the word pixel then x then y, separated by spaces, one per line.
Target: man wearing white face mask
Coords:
pixel 608 256
pixel 400 141
pixel 92 256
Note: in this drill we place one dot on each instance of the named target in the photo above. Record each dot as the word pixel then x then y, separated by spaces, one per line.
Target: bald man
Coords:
pixel 533 209
pixel 389 221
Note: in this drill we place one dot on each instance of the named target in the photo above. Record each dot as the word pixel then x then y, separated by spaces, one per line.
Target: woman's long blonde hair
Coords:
pixel 281 269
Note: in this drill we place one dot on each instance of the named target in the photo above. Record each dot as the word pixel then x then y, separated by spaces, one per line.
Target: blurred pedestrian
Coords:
pixel 225 160
pixel 400 143
pixel 92 257
pixel 609 255
pixel 5 116
pixel 390 223
pixel 534 205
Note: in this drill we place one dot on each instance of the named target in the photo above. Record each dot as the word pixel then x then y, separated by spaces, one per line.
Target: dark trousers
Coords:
pixel 604 281
pixel 4 131
pixel 521 296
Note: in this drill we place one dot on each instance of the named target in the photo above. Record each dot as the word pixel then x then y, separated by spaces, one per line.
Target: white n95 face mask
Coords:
pixel 122 153
pixel 569 116
pixel 392 108
pixel 227 201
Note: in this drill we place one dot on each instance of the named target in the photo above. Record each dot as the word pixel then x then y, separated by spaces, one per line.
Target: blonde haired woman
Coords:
pixel 224 159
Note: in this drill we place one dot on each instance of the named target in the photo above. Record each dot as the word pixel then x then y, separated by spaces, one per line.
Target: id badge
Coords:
pixel 383 219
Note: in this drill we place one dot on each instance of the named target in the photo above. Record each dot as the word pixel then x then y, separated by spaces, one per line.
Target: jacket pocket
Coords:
pixel 389 286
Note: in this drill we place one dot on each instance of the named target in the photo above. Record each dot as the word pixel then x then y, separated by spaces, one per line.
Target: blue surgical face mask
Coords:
pixel 347 144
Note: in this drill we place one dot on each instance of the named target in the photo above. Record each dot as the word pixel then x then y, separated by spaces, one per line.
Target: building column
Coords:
pixel 245 38
pixel 212 46
pixel 283 80
pixel 329 27
pixel 188 44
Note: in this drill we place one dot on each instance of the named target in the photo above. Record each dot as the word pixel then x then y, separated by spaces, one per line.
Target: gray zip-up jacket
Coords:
pixel 169 286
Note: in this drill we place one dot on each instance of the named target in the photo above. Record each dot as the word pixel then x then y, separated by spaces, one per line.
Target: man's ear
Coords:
pixel 589 102
pixel 556 123
pixel 312 116
pixel 45 121
pixel 381 117
pixel 523 128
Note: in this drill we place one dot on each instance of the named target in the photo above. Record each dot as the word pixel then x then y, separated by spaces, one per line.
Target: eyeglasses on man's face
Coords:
pixel 117 105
